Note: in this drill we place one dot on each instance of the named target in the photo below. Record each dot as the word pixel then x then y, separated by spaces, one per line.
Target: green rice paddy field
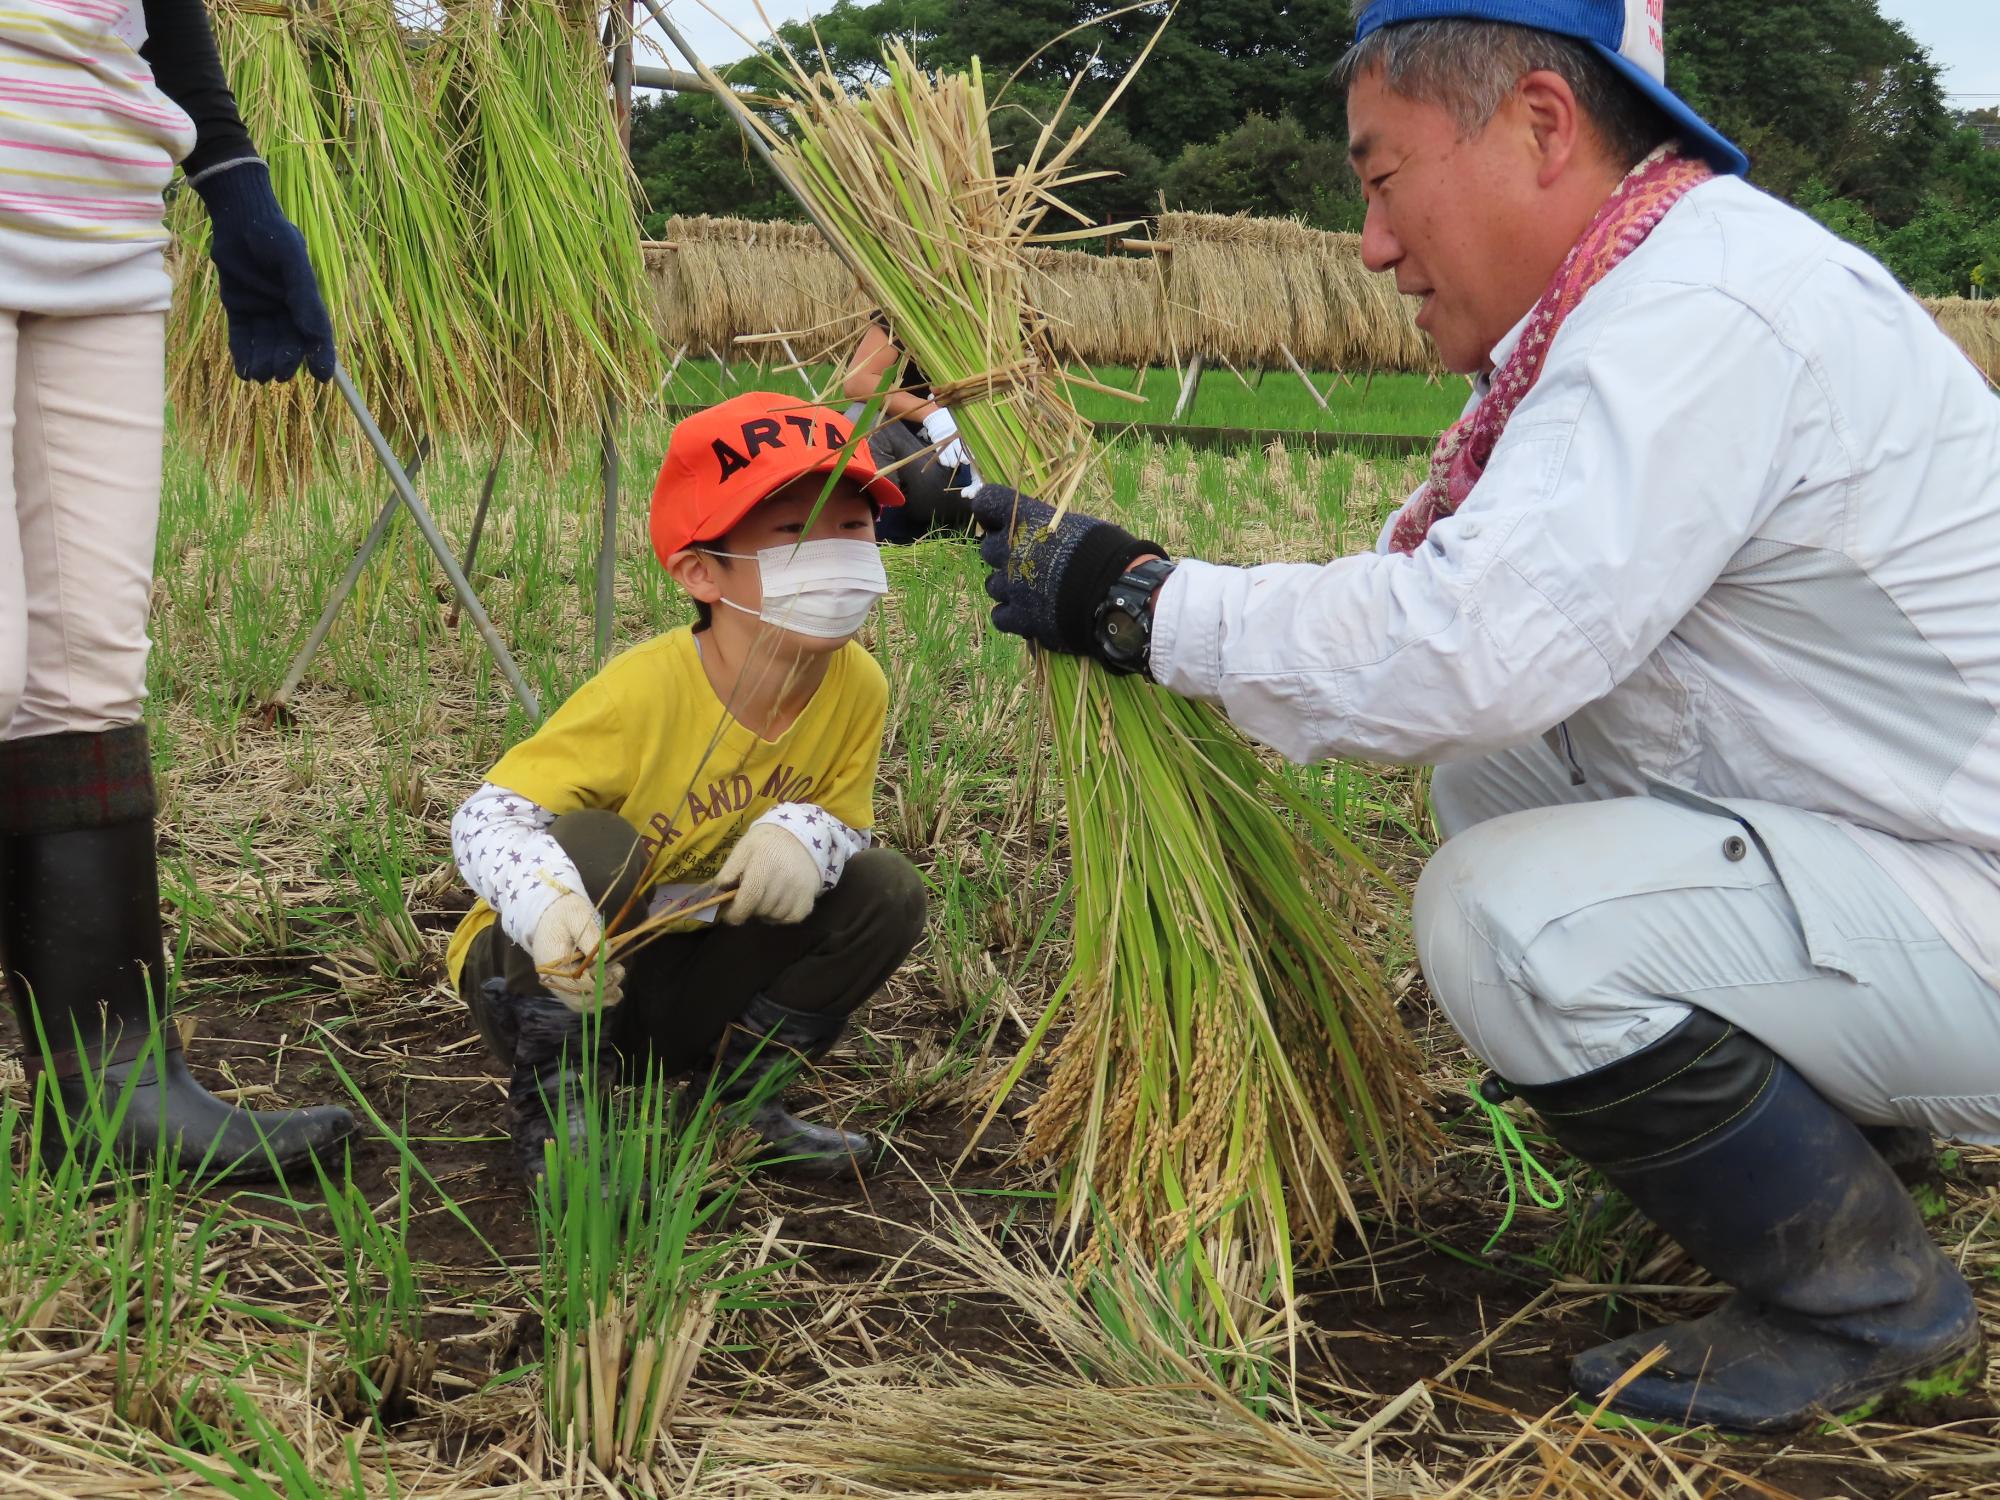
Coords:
pixel 402 1329
pixel 1409 405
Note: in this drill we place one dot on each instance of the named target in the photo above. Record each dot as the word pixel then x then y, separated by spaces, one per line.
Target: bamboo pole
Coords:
pixel 798 369
pixel 1188 382
pixel 1304 379
pixel 673 365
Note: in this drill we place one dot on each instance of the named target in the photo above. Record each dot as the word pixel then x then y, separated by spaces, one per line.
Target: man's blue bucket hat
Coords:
pixel 1628 34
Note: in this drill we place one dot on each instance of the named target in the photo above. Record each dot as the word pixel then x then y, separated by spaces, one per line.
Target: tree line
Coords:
pixel 1841 110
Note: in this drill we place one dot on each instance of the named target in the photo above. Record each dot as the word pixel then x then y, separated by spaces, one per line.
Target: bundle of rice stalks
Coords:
pixel 1245 290
pixel 468 209
pixel 1101 309
pixel 1230 1055
pixel 1974 326
pixel 1372 326
pixel 731 279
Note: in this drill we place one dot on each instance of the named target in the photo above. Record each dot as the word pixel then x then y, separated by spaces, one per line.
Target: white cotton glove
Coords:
pixel 775 876
pixel 940 429
pixel 565 940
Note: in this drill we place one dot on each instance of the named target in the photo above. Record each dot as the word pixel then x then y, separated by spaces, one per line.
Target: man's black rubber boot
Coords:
pixel 1842 1301
pixel 550 1093
pixel 762 1050
pixel 86 971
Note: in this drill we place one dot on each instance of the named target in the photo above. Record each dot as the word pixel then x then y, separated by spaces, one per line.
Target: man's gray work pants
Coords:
pixel 1561 934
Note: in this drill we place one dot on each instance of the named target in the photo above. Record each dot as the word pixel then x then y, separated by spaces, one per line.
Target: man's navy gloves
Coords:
pixel 277 319
pixel 1047 584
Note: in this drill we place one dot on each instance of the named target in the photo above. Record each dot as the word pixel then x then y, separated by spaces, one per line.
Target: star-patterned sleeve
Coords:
pixel 510 859
pixel 828 840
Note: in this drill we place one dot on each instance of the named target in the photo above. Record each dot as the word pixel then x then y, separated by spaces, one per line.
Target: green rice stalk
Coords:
pixel 635 1268
pixel 1231 1060
pixel 379 1313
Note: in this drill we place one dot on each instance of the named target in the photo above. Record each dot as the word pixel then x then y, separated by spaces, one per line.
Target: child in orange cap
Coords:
pixel 738 754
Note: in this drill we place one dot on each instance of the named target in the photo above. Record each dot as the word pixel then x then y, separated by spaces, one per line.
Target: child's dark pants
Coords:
pixel 682 990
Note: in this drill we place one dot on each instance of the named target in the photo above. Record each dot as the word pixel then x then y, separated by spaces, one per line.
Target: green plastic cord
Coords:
pixel 1507 1141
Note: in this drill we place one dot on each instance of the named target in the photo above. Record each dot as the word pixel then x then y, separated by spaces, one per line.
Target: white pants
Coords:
pixel 82 403
pixel 1561 934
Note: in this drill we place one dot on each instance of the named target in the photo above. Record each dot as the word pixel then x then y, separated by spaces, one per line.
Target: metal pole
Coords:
pixel 297 672
pixel 478 523
pixel 408 494
pixel 619 16
pixel 607 545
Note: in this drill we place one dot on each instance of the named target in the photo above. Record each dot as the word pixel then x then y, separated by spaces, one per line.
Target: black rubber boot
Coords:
pixel 549 1091
pixel 760 1052
pixel 80 930
pixel 1842 1301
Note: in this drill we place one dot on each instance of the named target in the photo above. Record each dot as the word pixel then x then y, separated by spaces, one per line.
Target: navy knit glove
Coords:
pixel 277 319
pixel 1046 584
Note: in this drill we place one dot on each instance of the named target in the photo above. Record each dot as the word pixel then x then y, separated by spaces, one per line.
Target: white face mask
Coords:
pixel 823 589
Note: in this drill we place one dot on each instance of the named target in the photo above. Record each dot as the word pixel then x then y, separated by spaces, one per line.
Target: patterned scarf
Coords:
pixel 1631 213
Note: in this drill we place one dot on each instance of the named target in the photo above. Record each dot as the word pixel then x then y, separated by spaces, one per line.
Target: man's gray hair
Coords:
pixel 1467 68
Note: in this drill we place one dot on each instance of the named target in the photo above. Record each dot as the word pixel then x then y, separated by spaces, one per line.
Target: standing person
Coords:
pixel 102 98
pixel 737 754
pixel 917 435
pixel 1695 614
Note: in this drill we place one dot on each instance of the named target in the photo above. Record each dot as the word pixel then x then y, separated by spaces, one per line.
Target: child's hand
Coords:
pixel 564 948
pixel 776 877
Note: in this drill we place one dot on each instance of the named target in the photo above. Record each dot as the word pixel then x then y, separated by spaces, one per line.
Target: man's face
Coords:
pixel 1452 218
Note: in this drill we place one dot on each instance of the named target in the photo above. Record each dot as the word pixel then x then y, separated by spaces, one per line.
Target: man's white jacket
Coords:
pixel 1742 539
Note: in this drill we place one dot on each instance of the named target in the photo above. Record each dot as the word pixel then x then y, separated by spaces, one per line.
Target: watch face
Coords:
pixel 1121 631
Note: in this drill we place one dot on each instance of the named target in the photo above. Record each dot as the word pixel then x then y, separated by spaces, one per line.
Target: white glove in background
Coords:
pixel 941 429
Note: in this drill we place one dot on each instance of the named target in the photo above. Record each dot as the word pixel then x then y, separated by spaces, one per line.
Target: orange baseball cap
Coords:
pixel 722 462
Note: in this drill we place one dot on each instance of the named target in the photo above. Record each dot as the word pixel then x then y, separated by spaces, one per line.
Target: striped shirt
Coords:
pixel 87 144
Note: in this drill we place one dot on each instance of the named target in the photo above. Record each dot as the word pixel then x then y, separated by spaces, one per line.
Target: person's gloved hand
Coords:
pixel 1046 584
pixel 277 319
pixel 775 876
pixel 940 429
pixel 564 948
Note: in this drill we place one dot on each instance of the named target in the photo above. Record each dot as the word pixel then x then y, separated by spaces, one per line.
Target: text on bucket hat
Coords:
pixel 723 462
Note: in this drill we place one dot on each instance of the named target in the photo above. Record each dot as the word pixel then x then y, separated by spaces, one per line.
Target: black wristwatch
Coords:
pixel 1123 625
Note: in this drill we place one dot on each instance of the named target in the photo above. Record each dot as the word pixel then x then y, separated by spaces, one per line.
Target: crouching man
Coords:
pixel 1696 611
pixel 739 754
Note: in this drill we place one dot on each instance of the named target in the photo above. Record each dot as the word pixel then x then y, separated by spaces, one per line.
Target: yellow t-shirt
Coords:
pixel 648 739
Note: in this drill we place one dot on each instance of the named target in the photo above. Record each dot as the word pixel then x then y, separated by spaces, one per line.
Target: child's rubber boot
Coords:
pixel 550 1094
pixel 761 1052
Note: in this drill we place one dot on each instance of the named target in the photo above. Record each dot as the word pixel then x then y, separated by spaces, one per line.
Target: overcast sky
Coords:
pixel 1963 36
